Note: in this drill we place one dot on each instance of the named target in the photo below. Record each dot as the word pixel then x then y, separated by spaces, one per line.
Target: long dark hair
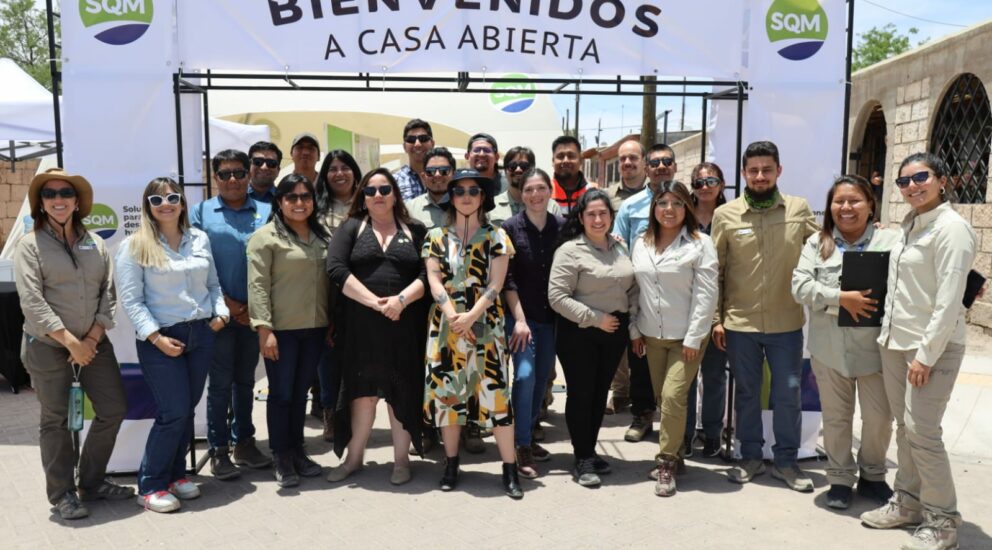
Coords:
pixel 827 244
pixel 573 226
pixel 712 168
pixel 358 209
pixel 691 224
pixel 286 186
pixel 324 195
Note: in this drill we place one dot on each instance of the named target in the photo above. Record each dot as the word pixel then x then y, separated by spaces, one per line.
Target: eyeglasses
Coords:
pixel 224 175
pixel 483 150
pixel 711 181
pixel 171 198
pixel 422 138
pixel 437 171
pixel 262 161
pixel 677 203
pixel 919 178
pixel 65 193
pixel 384 190
pixel 514 166
pixel 667 161
pixel 460 191
pixel 297 197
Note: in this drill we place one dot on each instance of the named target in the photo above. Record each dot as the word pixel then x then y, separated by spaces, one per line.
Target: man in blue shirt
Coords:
pixel 631 222
pixel 265 161
pixel 229 219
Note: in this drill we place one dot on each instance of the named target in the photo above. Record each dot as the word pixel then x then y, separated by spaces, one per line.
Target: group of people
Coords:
pixel 419 288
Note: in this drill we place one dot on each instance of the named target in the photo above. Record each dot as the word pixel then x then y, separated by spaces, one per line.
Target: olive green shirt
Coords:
pixel 432 214
pixel 619 192
pixel 288 288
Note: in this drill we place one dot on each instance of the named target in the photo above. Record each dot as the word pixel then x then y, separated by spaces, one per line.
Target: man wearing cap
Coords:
pixel 430 208
pixel 568 183
pixel 305 152
pixel 64 280
pixel 265 159
pixel 482 154
pixel 229 219
pixel 418 139
pixel 519 160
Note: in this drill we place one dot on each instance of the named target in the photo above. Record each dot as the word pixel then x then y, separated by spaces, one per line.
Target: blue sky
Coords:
pixel 620 116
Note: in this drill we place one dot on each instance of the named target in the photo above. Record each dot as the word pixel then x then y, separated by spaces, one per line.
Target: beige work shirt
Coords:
pixel 287 285
pixel 758 251
pixel 928 270
pixel 851 351
pixel 587 282
pixel 432 214
pixel 57 295
pixel 619 192
pixel 335 215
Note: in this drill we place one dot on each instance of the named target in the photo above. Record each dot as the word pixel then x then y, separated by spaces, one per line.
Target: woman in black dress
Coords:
pixel 374 258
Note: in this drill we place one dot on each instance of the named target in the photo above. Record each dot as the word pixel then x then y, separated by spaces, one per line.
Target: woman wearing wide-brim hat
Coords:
pixel 467 379
pixel 65 284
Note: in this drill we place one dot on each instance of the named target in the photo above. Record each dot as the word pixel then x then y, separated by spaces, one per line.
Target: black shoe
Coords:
pixel 450 478
pixel 711 448
pixel 69 506
pixel 687 447
pixel 285 472
pixel 304 466
pixel 221 466
pixel 511 482
pixel 600 466
pixel 585 474
pixel 879 491
pixel 839 497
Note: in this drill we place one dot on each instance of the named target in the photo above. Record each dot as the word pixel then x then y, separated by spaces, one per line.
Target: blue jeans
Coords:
pixel 232 371
pixel 531 368
pixel 329 378
pixel 176 384
pixel 784 351
pixel 714 372
pixel 290 379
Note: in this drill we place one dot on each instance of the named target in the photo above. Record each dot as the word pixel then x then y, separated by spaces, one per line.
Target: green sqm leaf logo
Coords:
pixel 116 22
pixel 511 97
pixel 797 27
pixel 102 221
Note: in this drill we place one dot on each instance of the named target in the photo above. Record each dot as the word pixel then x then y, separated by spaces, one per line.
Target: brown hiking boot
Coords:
pixel 665 485
pixel 526 467
pixel 328 434
pixel 246 453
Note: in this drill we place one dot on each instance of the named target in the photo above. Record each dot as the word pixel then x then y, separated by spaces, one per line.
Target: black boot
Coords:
pixel 286 475
pixel 511 482
pixel 450 478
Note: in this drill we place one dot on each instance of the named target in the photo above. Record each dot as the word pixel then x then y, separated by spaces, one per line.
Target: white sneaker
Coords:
pixel 160 501
pixel 184 489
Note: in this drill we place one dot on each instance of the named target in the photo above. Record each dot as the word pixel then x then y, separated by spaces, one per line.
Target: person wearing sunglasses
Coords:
pixel 631 221
pixel 418 139
pixel 63 279
pixel 171 293
pixel 305 152
pixel 467 377
pixel 707 195
pixel 759 238
pixel 288 302
pixel 374 259
pixel 519 162
pixel 846 360
pixel 593 290
pixel 229 219
pixel 265 158
pixel 568 182
pixel 676 269
pixel 431 208
pixel 922 345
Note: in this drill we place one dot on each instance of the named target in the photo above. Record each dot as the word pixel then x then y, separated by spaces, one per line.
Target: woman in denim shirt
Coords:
pixel 169 289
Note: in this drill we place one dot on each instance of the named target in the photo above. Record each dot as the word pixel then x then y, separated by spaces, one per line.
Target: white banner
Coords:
pixel 591 37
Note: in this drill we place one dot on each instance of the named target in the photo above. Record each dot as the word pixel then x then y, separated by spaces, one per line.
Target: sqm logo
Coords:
pixel 116 22
pixel 102 221
pixel 512 97
pixel 797 27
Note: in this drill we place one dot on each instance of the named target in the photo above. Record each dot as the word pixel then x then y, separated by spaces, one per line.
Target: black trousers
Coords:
pixel 589 358
pixel 641 392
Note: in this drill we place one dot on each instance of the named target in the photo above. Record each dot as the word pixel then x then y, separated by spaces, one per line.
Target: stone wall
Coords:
pixel 13 188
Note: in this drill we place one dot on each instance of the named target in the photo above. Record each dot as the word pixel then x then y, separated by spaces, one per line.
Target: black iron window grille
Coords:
pixel 962 137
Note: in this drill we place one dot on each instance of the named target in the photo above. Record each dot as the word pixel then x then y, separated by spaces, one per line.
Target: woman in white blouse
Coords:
pixel 676 269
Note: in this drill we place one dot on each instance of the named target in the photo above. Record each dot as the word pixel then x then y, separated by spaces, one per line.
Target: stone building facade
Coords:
pixel 13 189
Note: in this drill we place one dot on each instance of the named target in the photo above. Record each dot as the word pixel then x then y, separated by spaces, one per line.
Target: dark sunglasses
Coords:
pixel 384 190
pixel 711 181
pixel 297 197
pixel 268 163
pixel 460 191
pixel 171 198
pixel 65 193
pixel 514 166
pixel 422 138
pixel 225 175
pixel 437 171
pixel 919 177
pixel 667 161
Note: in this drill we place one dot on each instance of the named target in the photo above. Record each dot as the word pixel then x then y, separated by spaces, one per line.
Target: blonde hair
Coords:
pixel 146 244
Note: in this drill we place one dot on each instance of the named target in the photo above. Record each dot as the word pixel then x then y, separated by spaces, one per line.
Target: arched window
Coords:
pixel 962 137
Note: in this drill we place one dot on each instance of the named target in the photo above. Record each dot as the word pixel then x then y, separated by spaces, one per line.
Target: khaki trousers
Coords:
pixel 621 380
pixel 837 395
pixel 924 472
pixel 671 378
pixel 51 377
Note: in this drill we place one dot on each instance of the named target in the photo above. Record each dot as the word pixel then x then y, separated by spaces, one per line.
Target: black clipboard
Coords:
pixel 861 271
